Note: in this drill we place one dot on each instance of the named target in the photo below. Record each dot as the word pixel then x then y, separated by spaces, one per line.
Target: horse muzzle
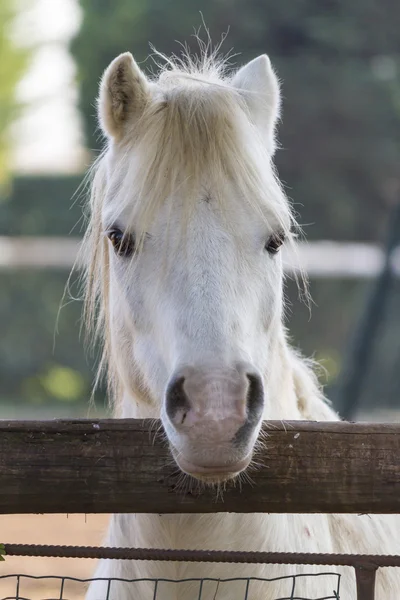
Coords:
pixel 212 418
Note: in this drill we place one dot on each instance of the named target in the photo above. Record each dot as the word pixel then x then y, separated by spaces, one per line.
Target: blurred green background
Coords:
pixel 339 63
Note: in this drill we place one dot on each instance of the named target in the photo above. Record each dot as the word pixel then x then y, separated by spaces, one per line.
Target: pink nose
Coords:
pixel 224 403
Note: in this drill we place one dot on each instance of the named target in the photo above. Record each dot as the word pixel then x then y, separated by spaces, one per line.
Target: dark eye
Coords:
pixel 124 243
pixel 275 242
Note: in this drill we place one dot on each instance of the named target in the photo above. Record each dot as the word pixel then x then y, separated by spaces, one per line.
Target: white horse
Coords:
pixel 184 286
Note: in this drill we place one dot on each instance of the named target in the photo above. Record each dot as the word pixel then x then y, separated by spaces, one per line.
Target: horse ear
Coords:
pixel 124 93
pixel 260 88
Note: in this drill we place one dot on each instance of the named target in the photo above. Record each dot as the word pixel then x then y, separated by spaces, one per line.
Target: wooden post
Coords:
pixel 365 579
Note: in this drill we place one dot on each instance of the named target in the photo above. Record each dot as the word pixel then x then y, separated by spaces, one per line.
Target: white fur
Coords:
pixel 260 87
pixel 188 170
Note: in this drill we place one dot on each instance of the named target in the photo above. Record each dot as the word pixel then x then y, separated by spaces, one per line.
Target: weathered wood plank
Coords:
pixel 122 466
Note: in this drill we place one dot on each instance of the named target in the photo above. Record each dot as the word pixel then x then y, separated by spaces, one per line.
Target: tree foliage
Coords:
pixel 339 63
pixel 12 66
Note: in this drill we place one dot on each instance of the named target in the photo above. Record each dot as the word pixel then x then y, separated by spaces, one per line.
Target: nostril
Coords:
pixel 255 397
pixel 176 400
pixel 255 407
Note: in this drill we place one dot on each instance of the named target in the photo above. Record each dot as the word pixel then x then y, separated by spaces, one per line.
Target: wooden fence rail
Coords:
pixel 88 466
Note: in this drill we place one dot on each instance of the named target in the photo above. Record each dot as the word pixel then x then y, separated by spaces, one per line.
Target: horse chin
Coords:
pixel 213 474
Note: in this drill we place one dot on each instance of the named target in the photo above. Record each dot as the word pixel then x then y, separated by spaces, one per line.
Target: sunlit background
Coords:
pixel 339 161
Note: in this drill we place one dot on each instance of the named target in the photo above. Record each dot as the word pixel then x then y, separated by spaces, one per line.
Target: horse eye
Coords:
pixel 123 243
pixel 275 242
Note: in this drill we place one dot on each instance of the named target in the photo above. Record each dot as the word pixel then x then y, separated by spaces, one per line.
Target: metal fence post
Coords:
pixel 365 580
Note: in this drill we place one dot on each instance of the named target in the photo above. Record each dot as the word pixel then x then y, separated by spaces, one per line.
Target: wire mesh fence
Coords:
pixel 30 587
pixel 309 584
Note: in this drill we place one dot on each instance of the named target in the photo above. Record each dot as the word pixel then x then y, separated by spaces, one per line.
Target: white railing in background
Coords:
pixel 38 252
pixel 318 259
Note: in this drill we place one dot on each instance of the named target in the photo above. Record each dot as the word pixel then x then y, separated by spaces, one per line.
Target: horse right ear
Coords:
pixel 260 88
pixel 124 93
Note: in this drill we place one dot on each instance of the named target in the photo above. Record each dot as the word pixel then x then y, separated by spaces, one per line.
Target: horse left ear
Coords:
pixel 260 88
pixel 124 94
